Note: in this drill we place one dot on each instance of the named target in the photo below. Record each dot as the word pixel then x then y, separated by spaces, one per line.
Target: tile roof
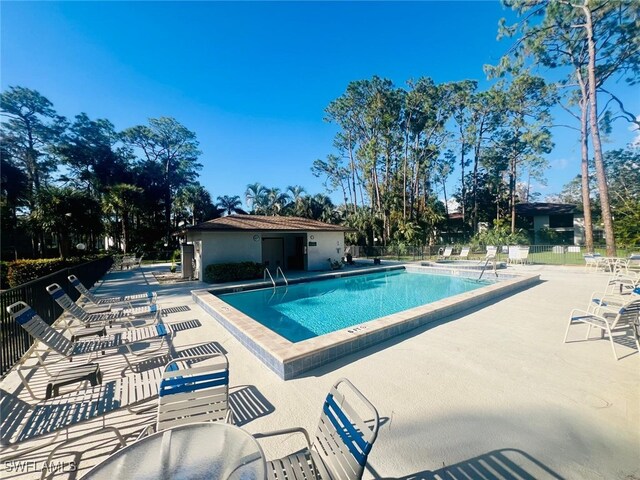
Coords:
pixel 261 223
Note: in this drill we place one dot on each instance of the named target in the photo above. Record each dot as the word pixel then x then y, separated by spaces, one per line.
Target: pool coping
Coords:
pixel 289 360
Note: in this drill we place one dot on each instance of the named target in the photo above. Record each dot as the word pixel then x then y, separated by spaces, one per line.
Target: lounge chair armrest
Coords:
pixel 284 431
pixel 585 313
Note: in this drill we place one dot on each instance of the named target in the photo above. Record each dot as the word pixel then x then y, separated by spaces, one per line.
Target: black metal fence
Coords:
pixel 538 254
pixel 14 340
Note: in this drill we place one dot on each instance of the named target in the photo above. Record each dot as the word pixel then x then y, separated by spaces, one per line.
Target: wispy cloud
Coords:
pixel 559 163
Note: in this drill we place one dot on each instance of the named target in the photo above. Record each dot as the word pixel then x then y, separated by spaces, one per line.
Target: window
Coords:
pixel 560 221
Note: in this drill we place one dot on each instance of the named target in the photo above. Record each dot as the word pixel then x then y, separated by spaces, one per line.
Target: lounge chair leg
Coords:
pixel 588 332
pixel 567 332
pixel 613 347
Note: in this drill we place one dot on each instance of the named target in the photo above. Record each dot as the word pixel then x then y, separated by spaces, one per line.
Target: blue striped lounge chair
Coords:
pixel 70 348
pixel 149 297
pixel 123 316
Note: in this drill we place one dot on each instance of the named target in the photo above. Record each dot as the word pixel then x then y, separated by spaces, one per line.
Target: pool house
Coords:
pixel 291 243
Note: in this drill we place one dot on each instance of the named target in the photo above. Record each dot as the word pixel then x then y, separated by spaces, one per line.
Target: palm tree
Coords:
pixel 230 204
pixel 254 196
pixel 193 205
pixel 120 202
pixel 276 200
pixel 295 193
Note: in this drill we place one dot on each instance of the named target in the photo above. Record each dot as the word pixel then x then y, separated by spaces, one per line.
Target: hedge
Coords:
pixel 23 271
pixel 231 272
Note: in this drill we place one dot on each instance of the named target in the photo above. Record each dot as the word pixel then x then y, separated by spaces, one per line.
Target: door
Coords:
pixel 273 252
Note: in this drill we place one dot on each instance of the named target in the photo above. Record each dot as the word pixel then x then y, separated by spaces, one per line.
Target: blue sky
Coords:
pixel 251 79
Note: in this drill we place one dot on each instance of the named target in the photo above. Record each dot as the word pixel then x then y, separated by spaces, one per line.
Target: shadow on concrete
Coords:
pixel 248 404
pixel 503 464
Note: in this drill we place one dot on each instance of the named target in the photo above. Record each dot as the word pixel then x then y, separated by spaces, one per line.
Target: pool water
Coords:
pixel 307 310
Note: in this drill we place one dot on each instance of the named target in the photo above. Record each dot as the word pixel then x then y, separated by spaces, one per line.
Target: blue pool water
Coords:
pixel 310 309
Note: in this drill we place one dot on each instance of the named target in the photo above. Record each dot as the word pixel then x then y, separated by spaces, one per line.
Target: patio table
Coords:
pixel 196 451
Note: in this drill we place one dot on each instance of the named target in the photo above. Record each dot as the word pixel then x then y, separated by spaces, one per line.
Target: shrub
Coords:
pixel 4 268
pixel 23 271
pixel 231 272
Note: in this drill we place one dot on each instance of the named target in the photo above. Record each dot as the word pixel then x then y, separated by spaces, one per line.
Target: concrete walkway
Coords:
pixel 492 393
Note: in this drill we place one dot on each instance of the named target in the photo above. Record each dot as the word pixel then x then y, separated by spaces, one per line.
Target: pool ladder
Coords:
pixel 489 258
pixel 279 272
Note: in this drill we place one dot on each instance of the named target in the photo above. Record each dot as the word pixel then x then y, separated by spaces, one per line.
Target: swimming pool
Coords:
pixel 289 359
pixel 307 310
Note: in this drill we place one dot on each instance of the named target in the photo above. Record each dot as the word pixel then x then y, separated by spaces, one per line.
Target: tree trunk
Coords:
pixel 586 194
pixel 595 135
pixel 512 193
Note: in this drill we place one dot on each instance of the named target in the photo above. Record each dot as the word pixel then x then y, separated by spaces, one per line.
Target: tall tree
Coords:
pixel 89 151
pixel 66 213
pixel 194 205
pixel 608 32
pixel 31 127
pixel 167 142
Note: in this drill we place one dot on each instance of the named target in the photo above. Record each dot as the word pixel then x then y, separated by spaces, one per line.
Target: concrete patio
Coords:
pixel 490 393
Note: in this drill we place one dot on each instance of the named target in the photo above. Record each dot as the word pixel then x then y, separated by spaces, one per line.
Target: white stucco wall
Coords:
pixel 329 245
pixel 225 247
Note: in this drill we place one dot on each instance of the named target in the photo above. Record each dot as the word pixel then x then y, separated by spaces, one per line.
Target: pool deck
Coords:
pixel 490 392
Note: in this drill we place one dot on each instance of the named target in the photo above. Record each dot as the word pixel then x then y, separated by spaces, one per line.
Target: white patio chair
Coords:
pixel 464 253
pixel 594 261
pixel 492 251
pixel 149 297
pixel 605 321
pixel 523 254
pixel 514 254
pixel 342 441
pixel 123 316
pixel 193 389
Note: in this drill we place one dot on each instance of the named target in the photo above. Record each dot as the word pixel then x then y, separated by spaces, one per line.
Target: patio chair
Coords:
pixel 514 254
pixel 594 261
pixel 523 254
pixel 341 444
pixel 149 297
pixel 57 342
pixel 446 254
pixel 464 253
pixel 193 389
pixel 605 321
pixel 123 316
pixel 492 251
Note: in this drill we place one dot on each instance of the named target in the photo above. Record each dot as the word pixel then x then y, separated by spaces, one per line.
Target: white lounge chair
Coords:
pixel 446 253
pixel 491 251
pixel 193 389
pixel 605 321
pixel 123 316
pixel 69 349
pixel 148 297
pixel 341 444
pixel 464 253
